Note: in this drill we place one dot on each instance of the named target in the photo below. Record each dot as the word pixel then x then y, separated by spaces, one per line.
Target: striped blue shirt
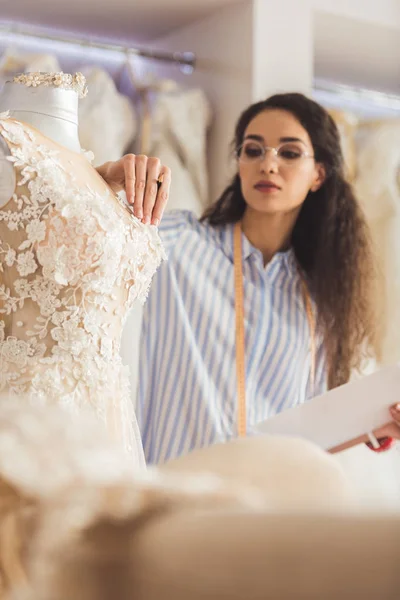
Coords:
pixel 187 395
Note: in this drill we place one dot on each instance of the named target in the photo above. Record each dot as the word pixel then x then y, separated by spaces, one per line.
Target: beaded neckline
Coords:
pixel 64 81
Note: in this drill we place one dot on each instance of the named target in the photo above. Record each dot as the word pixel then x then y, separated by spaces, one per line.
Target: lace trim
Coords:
pixel 73 269
pixel 64 81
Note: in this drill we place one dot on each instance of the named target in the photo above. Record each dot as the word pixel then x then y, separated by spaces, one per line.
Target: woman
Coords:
pixel 305 265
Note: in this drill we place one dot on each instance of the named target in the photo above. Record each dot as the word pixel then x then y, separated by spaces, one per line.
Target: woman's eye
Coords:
pixel 252 151
pixel 290 153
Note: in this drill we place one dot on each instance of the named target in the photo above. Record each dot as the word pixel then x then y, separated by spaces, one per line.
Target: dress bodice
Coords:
pixel 73 260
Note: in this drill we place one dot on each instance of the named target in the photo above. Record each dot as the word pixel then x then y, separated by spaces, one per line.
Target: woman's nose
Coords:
pixel 269 162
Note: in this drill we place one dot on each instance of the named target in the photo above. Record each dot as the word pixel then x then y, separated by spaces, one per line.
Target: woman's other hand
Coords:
pixel 388 433
pixel 145 181
pixel 391 429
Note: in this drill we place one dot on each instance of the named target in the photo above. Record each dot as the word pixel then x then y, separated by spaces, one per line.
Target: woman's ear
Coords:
pixel 320 176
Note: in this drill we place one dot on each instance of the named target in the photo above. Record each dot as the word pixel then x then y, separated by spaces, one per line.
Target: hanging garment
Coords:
pixel 73 260
pixel 106 120
pixel 175 132
pixel 179 127
pixel 13 62
pixel 377 187
pixel 347 125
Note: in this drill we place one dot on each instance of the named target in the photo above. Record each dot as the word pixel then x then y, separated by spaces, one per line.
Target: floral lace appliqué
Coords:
pixel 67 282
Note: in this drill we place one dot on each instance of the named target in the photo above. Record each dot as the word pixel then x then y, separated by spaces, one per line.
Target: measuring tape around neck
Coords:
pixel 240 330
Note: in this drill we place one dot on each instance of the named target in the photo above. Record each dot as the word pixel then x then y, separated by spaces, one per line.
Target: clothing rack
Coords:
pixel 362 95
pixel 185 60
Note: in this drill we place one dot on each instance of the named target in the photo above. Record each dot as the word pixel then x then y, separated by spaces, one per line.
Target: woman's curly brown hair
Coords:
pixel 330 239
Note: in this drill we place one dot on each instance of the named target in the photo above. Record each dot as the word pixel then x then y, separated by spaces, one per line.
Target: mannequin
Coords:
pixel 52 111
pixel 73 261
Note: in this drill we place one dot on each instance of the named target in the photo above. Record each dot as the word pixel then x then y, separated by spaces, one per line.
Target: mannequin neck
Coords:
pixel 53 111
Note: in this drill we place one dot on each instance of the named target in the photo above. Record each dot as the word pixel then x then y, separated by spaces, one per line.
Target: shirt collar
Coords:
pixel 286 258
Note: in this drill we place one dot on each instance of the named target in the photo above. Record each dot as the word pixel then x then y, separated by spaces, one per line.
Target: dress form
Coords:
pixel 53 111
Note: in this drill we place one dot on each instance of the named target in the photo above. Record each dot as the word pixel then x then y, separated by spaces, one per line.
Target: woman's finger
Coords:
pixel 140 184
pixel 395 412
pixel 162 195
pixel 153 172
pixel 129 165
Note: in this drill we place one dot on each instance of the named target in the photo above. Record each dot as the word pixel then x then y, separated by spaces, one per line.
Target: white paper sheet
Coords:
pixel 342 414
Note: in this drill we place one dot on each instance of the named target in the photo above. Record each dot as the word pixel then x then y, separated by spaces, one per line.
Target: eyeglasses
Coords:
pixel 288 154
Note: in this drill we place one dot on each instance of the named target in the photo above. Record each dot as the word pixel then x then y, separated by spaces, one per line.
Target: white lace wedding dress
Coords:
pixel 73 260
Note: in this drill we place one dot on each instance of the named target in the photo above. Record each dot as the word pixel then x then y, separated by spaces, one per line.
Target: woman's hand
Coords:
pixel 145 181
pixel 391 429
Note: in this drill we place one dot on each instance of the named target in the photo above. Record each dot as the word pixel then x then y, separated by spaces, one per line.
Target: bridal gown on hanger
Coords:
pixel 106 119
pixel 73 260
pixel 378 189
pixel 346 123
pixel 179 122
pixel 13 62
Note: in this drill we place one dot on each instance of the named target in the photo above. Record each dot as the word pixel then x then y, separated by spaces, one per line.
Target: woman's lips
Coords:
pixel 266 186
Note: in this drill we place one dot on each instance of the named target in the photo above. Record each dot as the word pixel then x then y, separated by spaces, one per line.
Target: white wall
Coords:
pixel 282 47
pixel 380 12
pixel 350 41
pixel 223 44
pixel 357 52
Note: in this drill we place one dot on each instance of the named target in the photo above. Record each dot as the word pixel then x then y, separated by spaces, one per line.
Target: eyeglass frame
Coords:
pixel 275 149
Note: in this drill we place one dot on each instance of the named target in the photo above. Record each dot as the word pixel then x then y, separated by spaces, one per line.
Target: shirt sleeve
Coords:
pixel 174 224
pixel 321 373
